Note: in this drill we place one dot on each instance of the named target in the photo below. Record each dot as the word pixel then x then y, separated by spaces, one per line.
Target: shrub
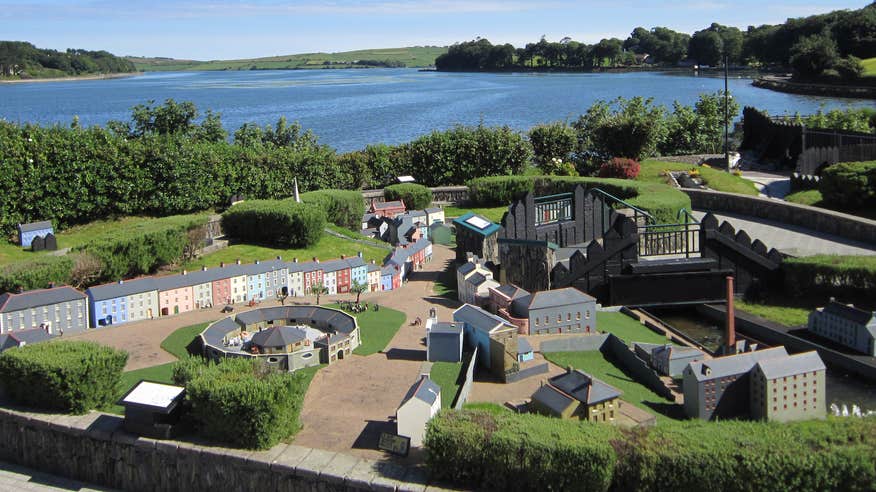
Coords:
pixel 72 377
pixel 37 273
pixel 620 167
pixel 849 185
pixel 831 275
pixel 281 223
pixel 415 196
pixel 552 141
pixel 240 402
pixel 343 208
pixel 526 452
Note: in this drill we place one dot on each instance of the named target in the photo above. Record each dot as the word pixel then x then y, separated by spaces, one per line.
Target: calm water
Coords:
pixel 348 109
pixel 841 388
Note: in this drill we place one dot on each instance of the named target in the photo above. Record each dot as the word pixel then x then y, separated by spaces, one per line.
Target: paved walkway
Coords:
pixel 16 477
pixel 770 184
pixel 793 240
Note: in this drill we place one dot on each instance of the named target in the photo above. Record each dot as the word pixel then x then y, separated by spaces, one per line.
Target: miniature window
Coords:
pixel 578 315
pixel 559 318
pixel 307 355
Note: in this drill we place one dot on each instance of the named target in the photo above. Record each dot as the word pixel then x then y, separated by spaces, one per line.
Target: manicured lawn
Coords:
pixel 806 197
pixel 626 328
pixel 494 408
pixel 595 364
pixel 715 179
pixel 491 213
pixel 446 375
pixel 328 247
pixel 376 328
pixel 81 234
pixel 177 341
pixel 786 315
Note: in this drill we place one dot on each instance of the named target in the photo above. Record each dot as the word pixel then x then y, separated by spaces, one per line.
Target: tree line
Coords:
pixel 20 59
pixel 814 46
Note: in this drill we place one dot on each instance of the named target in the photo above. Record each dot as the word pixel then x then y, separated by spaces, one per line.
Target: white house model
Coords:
pixel 419 405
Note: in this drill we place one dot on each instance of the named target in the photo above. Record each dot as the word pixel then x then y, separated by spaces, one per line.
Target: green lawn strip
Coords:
pixel 493 408
pixel 806 197
pixel 869 67
pixel 358 236
pixel 626 328
pixel 328 247
pixel 491 213
pixel 715 179
pixel 376 328
pixel 176 342
pixel 595 364
pixel 82 234
pixel 447 376
pixel 785 315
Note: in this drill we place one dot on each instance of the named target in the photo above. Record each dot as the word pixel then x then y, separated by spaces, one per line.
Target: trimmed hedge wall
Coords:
pixel 72 377
pixel 835 275
pixel 37 273
pixel 242 403
pixel 489 450
pixel 662 201
pixel 276 222
pixel 849 185
pixel 343 208
pixel 415 196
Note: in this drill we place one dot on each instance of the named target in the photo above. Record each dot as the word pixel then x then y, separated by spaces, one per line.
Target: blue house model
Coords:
pixel 27 232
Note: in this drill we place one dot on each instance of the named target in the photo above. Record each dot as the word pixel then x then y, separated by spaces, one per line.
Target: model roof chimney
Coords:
pixel 359 254
pixel 221 264
pixel 204 268
pixel 185 272
pixel 343 257
pixel 257 262
pixel 294 260
pixel 238 261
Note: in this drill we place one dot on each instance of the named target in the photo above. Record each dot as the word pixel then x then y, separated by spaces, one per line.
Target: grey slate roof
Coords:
pixel 334 266
pixel 553 399
pixel 479 319
pixel 33 335
pixel 355 262
pixel 523 346
pixel 278 336
pixel 443 328
pixel 476 279
pixel 7 342
pixel 214 333
pixel 584 387
pixel 466 268
pixel 35 298
pixel 780 367
pixel 373 267
pixel 122 289
pixel 386 205
pixel 432 210
pixel 851 313
pixel 35 226
pixel 558 297
pixel 676 352
pixel 511 291
pixel 732 364
pixel 425 389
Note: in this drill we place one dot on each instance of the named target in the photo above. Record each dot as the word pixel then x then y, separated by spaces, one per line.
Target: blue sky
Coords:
pixel 223 29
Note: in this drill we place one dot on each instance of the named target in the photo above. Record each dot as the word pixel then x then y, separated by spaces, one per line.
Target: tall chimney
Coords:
pixel 204 268
pixel 238 261
pixel 731 318
pixel 221 264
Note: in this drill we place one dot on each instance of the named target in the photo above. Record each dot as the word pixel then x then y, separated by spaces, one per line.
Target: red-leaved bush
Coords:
pixel 620 167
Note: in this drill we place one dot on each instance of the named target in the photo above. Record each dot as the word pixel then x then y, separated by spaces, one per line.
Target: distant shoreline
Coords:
pixel 785 84
pixel 73 78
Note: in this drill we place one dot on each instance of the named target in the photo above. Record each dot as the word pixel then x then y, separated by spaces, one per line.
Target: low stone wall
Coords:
pixel 527 373
pixel 776 334
pixel 450 195
pixel 581 343
pixel 818 219
pixel 94 448
pixel 641 371
pixel 465 389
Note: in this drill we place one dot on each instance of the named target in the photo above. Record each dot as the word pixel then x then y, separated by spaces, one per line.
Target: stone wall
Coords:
pixel 451 195
pixel 94 448
pixel 465 389
pixel 818 219
pixel 581 343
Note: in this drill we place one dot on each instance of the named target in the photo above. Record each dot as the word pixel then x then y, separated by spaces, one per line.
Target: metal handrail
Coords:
pixel 688 215
pixel 647 215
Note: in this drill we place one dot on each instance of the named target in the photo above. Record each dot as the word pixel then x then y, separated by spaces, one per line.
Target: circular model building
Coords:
pixel 286 338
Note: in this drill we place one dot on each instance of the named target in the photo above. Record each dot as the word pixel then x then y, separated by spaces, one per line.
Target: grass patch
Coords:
pixel 447 376
pixel 840 263
pixel 491 213
pixel 493 408
pixel 626 328
pixel 83 234
pixel 595 364
pixel 328 247
pixel 785 315
pixel 159 374
pixel 376 328
pixel 651 172
pixel 176 342
pixel 805 197
pixel 869 67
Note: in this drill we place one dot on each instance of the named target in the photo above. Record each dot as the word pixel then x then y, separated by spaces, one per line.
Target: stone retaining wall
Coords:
pixel 94 448
pixel 465 389
pixel 450 195
pixel 818 219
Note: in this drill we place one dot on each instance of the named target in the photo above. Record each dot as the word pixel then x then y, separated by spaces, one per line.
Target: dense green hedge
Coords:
pixel 68 376
pixel 342 207
pixel 240 402
pixel 276 222
pixel 495 451
pixel 849 185
pixel 831 275
pixel 37 273
pixel 415 196
pixel 662 201
pixel 129 253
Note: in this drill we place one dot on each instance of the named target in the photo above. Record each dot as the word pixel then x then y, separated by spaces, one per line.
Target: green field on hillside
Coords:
pixel 415 56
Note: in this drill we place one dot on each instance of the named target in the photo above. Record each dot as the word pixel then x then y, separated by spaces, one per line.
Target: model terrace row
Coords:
pixel 64 309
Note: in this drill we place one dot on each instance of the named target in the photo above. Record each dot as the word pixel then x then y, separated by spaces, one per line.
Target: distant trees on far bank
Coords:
pixel 19 59
pixel 825 45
